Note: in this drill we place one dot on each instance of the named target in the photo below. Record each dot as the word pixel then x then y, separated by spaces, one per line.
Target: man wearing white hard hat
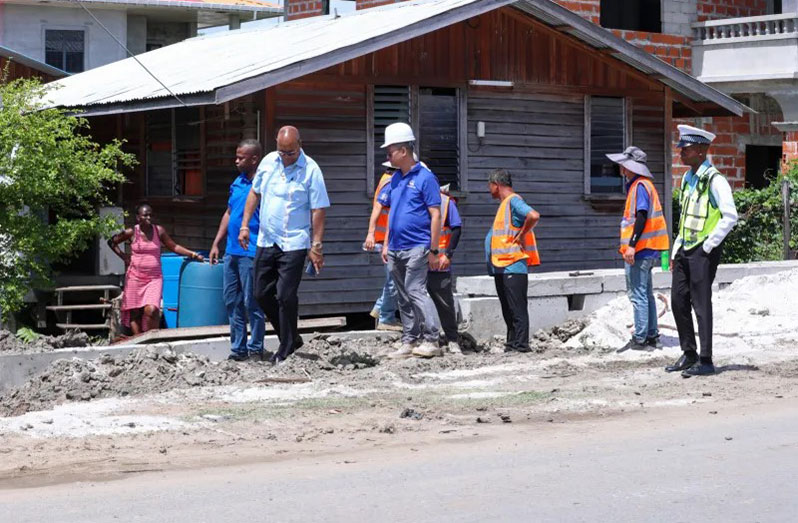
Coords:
pixel 384 310
pixel 708 214
pixel 644 236
pixel 411 246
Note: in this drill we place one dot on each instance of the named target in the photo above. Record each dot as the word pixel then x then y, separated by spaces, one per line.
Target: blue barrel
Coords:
pixel 201 299
pixel 170 267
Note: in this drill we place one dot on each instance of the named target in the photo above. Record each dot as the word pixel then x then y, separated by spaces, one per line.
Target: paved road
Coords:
pixel 679 465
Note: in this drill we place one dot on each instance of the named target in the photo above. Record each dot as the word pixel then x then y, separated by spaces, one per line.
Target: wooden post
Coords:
pixel 785 199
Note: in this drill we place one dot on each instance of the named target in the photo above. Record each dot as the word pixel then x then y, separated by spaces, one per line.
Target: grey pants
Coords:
pixel 439 285
pixel 409 269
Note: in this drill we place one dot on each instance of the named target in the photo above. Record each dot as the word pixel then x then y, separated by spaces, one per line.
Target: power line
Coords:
pixel 129 53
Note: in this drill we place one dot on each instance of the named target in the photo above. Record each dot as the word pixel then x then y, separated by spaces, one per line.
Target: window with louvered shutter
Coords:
pixel 437 134
pixel 607 136
pixel 64 49
pixel 391 105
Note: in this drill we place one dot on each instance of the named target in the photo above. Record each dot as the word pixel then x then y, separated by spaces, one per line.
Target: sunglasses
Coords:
pixel 289 154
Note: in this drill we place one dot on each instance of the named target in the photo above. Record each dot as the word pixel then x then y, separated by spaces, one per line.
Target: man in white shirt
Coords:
pixel 708 214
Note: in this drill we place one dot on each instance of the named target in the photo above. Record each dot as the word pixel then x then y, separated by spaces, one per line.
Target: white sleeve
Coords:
pixel 721 191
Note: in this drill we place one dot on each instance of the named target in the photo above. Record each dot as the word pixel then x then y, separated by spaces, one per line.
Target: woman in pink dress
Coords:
pixel 141 301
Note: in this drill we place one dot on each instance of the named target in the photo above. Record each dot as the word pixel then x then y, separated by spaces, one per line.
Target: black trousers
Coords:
pixel 512 289
pixel 439 286
pixel 693 274
pixel 277 277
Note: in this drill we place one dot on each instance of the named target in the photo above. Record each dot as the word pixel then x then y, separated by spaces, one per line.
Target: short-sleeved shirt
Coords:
pixel 643 203
pixel 410 196
pixel 288 194
pixel 518 210
pixel 452 220
pixel 239 190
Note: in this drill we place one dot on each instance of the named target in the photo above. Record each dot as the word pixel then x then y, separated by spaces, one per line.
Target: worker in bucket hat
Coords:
pixel 644 235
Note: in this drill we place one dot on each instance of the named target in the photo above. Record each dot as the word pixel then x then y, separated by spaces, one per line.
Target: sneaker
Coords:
pixel 653 341
pixel 633 344
pixel 256 355
pixel 404 351
pixel 238 356
pixel 427 350
pixel 453 348
pixel 389 326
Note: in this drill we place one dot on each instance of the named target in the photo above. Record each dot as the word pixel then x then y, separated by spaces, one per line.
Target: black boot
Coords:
pixel 687 360
pixel 703 368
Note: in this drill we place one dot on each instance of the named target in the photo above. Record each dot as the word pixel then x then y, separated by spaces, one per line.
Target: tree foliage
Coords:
pixel 758 235
pixel 53 179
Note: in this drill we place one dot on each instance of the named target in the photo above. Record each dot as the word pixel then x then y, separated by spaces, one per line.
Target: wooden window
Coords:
pixel 65 49
pixel 174 165
pixel 438 133
pixel 391 104
pixel 607 129
pixel 632 15
pixel 435 115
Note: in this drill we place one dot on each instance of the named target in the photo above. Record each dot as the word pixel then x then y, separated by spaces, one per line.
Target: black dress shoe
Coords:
pixel 298 342
pixel 699 369
pixel 683 363
pixel 276 358
pixel 238 356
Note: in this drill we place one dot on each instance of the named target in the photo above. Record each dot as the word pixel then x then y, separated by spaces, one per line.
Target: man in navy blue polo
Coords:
pixel 239 296
pixel 411 246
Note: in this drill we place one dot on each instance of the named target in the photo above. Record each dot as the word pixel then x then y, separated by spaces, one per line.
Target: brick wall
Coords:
pixel 296 9
pixel 789 148
pixel 674 49
pixel 588 9
pixel 719 9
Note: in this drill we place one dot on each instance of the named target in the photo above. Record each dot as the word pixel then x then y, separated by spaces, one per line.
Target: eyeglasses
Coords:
pixel 289 154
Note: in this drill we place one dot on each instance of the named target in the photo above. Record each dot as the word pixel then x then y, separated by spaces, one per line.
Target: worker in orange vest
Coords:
pixel 384 310
pixel 644 236
pixel 439 281
pixel 510 249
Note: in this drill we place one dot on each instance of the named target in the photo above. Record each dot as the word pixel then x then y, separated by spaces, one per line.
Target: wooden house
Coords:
pixel 524 85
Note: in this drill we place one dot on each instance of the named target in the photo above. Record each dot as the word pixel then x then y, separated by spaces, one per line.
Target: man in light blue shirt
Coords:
pixel 289 187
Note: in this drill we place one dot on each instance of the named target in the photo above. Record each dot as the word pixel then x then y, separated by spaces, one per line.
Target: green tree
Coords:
pixel 53 179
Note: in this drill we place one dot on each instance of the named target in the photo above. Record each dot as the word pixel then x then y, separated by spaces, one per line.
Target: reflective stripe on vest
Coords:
pixel 655 232
pixel 699 216
pixel 382 219
pixel 503 252
pixel 446 231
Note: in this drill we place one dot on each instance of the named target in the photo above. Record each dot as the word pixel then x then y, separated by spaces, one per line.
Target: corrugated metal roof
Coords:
pixel 223 66
pixel 30 62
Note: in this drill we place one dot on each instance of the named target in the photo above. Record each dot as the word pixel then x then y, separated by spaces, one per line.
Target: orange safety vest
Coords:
pixel 655 233
pixel 503 252
pixel 382 219
pixel 446 231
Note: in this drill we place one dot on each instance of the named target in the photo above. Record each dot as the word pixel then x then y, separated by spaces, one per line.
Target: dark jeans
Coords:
pixel 277 277
pixel 693 274
pixel 512 289
pixel 439 286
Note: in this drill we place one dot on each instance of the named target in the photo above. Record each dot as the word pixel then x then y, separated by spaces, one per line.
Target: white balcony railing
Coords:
pixel 731 30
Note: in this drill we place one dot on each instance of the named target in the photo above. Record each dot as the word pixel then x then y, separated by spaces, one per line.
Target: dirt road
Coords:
pixel 669 464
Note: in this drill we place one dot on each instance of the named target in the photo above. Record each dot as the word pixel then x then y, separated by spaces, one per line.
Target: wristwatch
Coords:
pixel 317 245
pixel 434 251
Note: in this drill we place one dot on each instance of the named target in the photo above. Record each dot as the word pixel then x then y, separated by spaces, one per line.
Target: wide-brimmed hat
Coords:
pixel 634 159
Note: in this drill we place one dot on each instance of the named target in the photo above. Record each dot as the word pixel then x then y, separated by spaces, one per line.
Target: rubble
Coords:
pixel 9 343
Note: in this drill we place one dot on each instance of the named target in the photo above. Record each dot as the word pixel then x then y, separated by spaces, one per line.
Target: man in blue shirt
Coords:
pixel 289 186
pixel 414 225
pixel 238 279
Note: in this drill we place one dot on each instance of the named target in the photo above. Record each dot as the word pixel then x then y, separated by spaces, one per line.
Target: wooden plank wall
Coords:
pixel 539 139
pixel 17 70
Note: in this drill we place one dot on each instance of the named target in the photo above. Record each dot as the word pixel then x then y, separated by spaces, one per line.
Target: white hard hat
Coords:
pixel 398 132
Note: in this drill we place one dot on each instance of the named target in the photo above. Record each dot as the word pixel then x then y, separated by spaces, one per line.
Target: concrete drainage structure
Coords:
pixel 555 297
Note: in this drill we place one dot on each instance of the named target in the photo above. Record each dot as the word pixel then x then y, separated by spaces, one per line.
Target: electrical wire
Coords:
pixel 80 3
